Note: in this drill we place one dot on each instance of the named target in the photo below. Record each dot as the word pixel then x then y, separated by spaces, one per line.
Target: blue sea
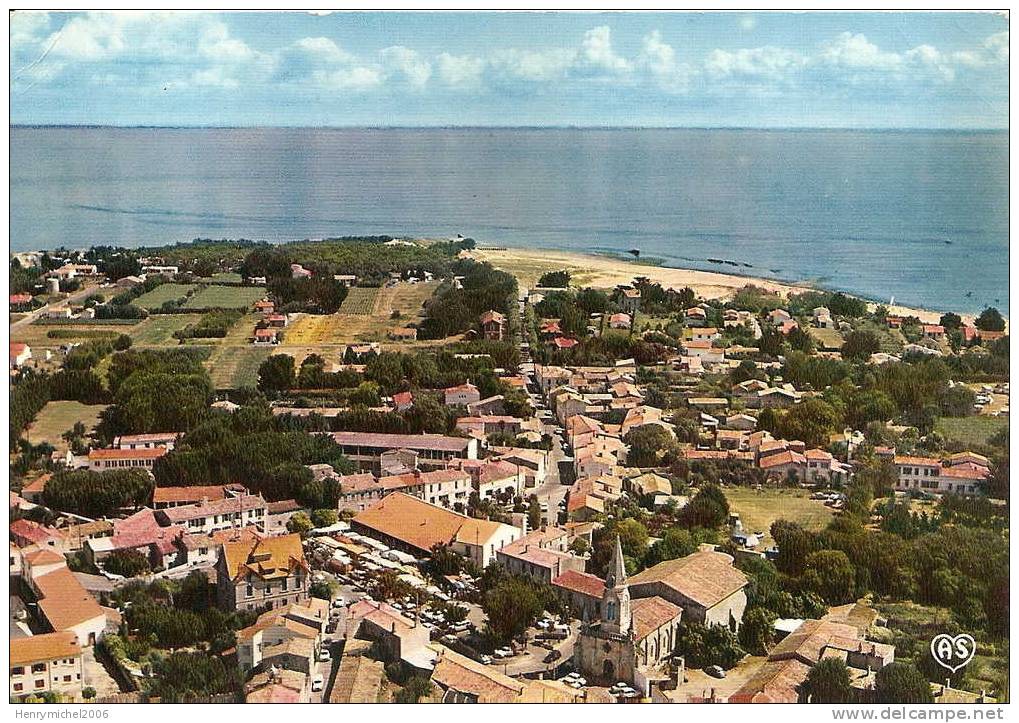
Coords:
pixel 915 215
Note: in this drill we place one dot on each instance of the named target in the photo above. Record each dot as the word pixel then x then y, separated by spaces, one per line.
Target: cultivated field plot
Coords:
pixel 163 293
pixel 758 509
pixel 37 335
pixel 970 430
pixel 360 301
pixel 308 330
pixel 827 338
pixel 225 277
pixel 59 417
pixel 233 367
pixel 225 297
pixel 158 329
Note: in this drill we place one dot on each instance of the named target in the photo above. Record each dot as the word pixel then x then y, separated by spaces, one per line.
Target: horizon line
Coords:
pixel 142 126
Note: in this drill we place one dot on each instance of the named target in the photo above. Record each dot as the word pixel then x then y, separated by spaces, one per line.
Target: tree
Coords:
pixel 901 683
pixel 674 544
pixel 812 421
pixel 828 682
pixel 323 589
pixel 651 445
pixel 859 345
pixel 511 607
pixel 709 508
pixel 300 523
pixel 88 692
pixel 324 517
pixel 97 494
pixel 704 645
pixel 554 279
pixel 990 320
pixel 757 632
pixel 831 575
pixel 416 688
pixel 951 321
pixel 533 513
pixel 276 374
pixel 126 563
pixel 122 342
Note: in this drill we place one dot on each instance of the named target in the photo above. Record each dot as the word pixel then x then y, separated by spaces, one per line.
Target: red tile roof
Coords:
pixel 581 582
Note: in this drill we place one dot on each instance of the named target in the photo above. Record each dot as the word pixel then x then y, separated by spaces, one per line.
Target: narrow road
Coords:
pixel 71 298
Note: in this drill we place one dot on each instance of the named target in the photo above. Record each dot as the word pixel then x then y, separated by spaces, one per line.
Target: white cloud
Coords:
pixel 534 65
pixel 659 59
pixel 854 51
pixel 408 64
pixel 460 71
pixel 324 50
pixel 748 22
pixel 596 52
pixel 359 78
pixel 997 44
pixel 767 62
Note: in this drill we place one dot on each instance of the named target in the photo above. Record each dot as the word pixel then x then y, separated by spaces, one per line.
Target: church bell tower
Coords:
pixel 615 602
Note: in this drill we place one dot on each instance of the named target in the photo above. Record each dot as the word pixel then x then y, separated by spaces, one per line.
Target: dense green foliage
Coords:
pixel 97 494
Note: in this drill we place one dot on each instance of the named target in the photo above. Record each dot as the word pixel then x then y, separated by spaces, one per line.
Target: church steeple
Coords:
pixel 615 607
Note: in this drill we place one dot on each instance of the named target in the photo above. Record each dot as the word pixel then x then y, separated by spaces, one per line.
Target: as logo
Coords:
pixel 953 653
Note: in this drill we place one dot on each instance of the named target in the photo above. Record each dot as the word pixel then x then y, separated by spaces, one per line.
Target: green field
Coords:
pixel 225 297
pixel 970 430
pixel 161 294
pixel 58 417
pixel 233 367
pixel 158 329
pixel 225 277
pixel 891 340
pixel 758 509
pixel 360 301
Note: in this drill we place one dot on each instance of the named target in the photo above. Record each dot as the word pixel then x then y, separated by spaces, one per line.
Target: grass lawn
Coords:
pixel 758 509
pixel 58 417
pixel 158 329
pixel 225 297
pixel 233 367
pixel 161 294
pixel 971 430
pixel 828 339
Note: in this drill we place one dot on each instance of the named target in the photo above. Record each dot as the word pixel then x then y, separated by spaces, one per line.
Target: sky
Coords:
pixel 861 70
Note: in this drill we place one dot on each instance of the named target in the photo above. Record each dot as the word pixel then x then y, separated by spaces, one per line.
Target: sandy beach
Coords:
pixel 607 272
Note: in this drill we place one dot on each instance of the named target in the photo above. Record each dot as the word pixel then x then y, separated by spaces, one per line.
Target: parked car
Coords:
pixel 715 671
pixel 553 655
pixel 324 655
pixel 317 683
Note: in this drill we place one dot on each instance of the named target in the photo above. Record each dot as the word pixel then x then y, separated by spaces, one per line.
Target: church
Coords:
pixel 633 641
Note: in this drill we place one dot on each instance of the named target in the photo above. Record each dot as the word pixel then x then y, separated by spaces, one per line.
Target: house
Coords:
pixel 462 395
pixel 495 404
pixel 432 450
pixel 347 280
pixel 541 555
pixel 620 321
pixel 704 351
pixel 146 441
pixel 961 476
pixel 264 306
pixel 780 679
pixel 160 270
pixel 706 585
pixel 212 515
pixel 46 663
pixel 933 331
pixel 563 342
pixel 299 272
pixel 277 686
pixel 359 678
pixel 779 316
pixel 459 679
pixel 531 462
pixel 264 574
pixel 402 401
pixel 141 532
pixel 164 497
pixel 265 336
pixel 296 621
pixel 22 299
pixel 490 424
pixel 395 637
pixel 823 318
pixel 707 333
pixel 20 354
pixel 27 532
pixel 63 603
pixel 775 397
pixel 497 477
pixel 695 316
pixel 741 422
pixel 71 271
pixel 277 321
pixel 128 282
pixel 493 326
pixel 629 301
pixel 415 526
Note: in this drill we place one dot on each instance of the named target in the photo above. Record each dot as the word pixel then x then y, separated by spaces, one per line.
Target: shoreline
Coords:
pixel 591 269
